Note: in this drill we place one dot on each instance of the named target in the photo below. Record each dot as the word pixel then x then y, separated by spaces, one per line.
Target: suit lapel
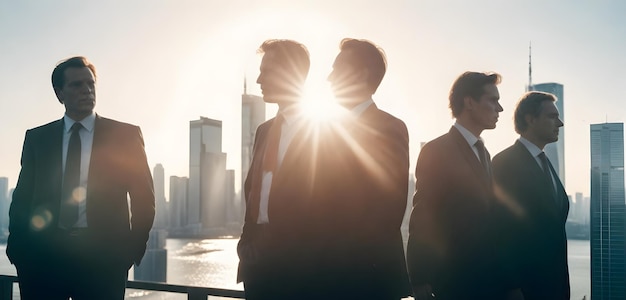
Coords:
pixel 562 201
pixel 55 146
pixel 531 162
pixel 255 174
pixel 299 147
pixel 539 178
pixel 470 156
pixel 98 136
pixel 97 163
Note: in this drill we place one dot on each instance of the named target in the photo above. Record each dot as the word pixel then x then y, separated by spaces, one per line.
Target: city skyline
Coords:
pixel 192 56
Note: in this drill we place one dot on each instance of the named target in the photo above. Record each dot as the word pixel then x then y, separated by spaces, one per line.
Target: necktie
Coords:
pixel 71 180
pixel 545 164
pixel 484 161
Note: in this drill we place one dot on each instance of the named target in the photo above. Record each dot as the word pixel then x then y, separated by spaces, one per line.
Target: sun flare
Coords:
pixel 318 102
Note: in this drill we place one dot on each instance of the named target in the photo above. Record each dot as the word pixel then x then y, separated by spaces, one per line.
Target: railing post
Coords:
pixel 6 289
pixel 196 294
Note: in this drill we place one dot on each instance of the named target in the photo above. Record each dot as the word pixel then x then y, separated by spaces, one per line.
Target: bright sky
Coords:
pixel 163 63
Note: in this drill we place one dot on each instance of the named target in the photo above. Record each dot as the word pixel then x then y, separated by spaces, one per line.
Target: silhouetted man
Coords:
pixel 71 234
pixel 273 245
pixel 535 202
pixel 360 198
pixel 450 251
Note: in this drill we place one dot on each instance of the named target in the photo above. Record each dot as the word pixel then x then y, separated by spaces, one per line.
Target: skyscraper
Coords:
pixel 233 207
pixel 252 115
pixel 579 208
pixel 160 220
pixel 178 203
pixel 4 205
pixel 608 216
pixel 555 151
pixel 206 206
pixel 154 263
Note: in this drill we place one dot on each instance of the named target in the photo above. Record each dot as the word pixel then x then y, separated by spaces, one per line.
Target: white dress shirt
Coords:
pixel 469 137
pixel 361 107
pixel 535 151
pixel 86 142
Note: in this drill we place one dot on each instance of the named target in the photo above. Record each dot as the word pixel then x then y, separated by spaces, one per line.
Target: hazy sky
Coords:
pixel 163 63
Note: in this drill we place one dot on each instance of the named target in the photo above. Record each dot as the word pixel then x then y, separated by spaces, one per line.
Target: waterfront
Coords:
pixel 213 263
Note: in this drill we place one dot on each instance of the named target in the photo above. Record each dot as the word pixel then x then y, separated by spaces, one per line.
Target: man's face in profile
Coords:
pixel 486 109
pixel 277 83
pixel 545 127
pixel 346 79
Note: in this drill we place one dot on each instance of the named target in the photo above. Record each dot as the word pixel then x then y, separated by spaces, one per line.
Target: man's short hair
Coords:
pixel 367 55
pixel 530 104
pixel 293 56
pixel 469 84
pixel 58 74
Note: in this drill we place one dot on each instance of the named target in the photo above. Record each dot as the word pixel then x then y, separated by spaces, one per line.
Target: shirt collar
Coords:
pixel 88 122
pixel 532 148
pixel 289 114
pixel 359 109
pixel 469 137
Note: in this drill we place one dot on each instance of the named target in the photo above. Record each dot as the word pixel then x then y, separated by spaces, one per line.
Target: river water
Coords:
pixel 213 263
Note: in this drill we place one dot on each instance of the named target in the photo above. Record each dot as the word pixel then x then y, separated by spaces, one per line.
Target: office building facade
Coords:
pixel 608 216
pixel 206 198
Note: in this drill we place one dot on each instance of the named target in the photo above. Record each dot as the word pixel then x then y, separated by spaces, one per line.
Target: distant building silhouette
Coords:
pixel 4 206
pixel 153 266
pixel 587 206
pixel 579 208
pixel 577 225
pixel 555 151
pixel 608 216
pixel 178 203
pixel 233 206
pixel 207 192
pixel 161 218
pixel 252 115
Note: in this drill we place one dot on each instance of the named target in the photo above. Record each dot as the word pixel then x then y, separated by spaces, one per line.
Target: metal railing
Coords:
pixel 193 292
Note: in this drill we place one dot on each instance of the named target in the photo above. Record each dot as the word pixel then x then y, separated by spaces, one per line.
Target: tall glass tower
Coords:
pixel 608 215
pixel 555 151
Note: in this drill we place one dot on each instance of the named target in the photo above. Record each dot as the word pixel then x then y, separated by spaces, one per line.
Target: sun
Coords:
pixel 321 109
pixel 318 102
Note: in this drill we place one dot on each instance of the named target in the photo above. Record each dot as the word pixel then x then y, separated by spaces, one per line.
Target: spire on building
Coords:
pixel 245 85
pixel 530 68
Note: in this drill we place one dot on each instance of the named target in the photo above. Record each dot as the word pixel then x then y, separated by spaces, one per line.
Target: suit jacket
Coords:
pixel 534 223
pixel 118 167
pixel 451 244
pixel 278 250
pixel 359 202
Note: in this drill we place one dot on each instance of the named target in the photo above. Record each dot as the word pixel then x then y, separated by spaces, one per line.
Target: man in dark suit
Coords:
pixel 535 201
pixel 273 245
pixel 361 188
pixel 71 234
pixel 450 247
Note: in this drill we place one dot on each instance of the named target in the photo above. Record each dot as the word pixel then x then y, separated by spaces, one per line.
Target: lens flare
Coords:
pixel 41 219
pixel 79 194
